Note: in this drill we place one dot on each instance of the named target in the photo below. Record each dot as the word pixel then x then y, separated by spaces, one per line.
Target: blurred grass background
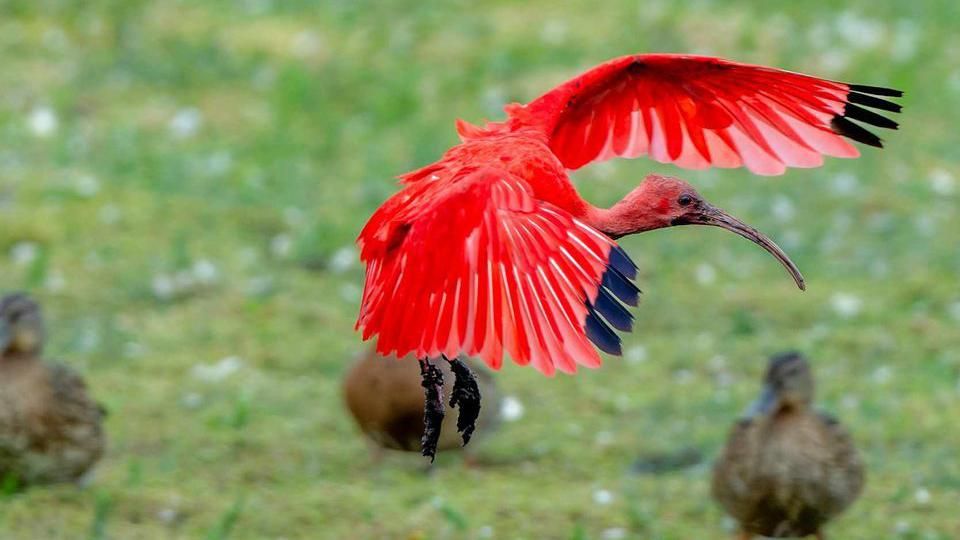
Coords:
pixel 181 183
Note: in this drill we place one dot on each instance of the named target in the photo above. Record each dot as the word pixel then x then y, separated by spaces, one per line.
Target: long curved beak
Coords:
pixel 713 216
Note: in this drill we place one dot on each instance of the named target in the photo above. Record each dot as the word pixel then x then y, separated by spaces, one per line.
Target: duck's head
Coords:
pixel 788 384
pixel 21 325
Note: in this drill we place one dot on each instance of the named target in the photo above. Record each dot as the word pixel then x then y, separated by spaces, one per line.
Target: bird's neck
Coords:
pixel 623 219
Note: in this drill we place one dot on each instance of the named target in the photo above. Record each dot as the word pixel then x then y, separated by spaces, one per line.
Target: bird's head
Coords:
pixel 664 201
pixel 21 325
pixel 788 384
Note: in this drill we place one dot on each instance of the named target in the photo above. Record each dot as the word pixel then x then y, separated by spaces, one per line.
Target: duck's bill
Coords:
pixel 718 218
pixel 764 404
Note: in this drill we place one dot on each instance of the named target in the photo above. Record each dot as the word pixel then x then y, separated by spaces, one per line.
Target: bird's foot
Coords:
pixel 466 395
pixel 432 382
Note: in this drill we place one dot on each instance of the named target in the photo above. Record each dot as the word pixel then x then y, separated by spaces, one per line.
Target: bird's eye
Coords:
pixel 684 200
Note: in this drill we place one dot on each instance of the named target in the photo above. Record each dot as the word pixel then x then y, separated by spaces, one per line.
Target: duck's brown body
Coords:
pixel 785 473
pixel 50 429
pixel 385 398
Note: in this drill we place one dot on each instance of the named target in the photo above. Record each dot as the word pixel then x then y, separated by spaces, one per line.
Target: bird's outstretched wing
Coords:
pixel 699 112
pixel 479 266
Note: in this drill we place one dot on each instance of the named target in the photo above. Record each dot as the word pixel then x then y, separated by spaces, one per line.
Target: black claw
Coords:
pixel 432 382
pixel 466 395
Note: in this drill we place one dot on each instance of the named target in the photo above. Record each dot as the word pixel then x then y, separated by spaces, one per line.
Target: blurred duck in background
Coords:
pixel 787 469
pixel 385 399
pixel 50 429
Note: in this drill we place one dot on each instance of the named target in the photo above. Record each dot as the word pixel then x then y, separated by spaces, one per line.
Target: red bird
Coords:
pixel 492 248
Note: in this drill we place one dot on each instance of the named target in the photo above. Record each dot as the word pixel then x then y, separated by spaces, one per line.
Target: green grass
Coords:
pixel 155 250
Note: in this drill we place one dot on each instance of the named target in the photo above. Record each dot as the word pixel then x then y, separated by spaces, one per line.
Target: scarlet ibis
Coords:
pixel 787 469
pixel 50 429
pixel 492 248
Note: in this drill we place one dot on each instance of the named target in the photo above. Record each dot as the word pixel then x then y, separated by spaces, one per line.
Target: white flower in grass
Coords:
pixel 182 280
pixel 954 310
pixel 705 274
pixel 782 208
pixel 835 60
pixel 258 286
pixel 942 182
pixel 485 532
pixel 281 245
pixel 882 375
pixel 845 184
pixel 293 216
pixel 614 533
pixel 24 253
pixel 860 32
pixel 925 225
pixel 511 409
pixel 132 349
pixel 217 371
pixel 603 497
pixel 186 122
pixel 638 354
pixel 191 400
pixel 162 286
pixel 205 271
pixel 86 185
pixel 846 305
pixel 306 44
pixel 554 32
pixel 603 438
pixel 850 402
pixel 42 122
pixel 109 214
pixel 55 282
pixel 343 259
pixel 350 292
pixel 168 516
pixel 922 496
pixel 218 163
pixel 905 39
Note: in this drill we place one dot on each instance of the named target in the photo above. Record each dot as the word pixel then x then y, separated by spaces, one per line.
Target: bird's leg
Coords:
pixel 432 382
pixel 466 395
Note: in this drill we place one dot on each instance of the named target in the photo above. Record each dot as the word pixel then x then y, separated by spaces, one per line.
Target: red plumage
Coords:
pixel 492 248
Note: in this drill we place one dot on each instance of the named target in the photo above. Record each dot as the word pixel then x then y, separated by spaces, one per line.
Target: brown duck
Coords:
pixel 50 429
pixel 385 398
pixel 787 469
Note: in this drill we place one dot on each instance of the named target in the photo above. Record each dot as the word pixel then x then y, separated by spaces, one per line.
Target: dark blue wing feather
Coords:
pixel 616 286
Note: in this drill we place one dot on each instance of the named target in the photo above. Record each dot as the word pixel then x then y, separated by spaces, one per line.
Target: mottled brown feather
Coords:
pixel 786 474
pixel 50 428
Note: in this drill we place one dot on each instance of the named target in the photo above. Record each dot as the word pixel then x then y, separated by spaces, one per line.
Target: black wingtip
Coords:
pixel 613 311
pixel 846 128
pixel 873 102
pixel 859 98
pixel 620 286
pixel 875 90
pixel 600 334
pixel 619 259
pixel 607 309
pixel 855 112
